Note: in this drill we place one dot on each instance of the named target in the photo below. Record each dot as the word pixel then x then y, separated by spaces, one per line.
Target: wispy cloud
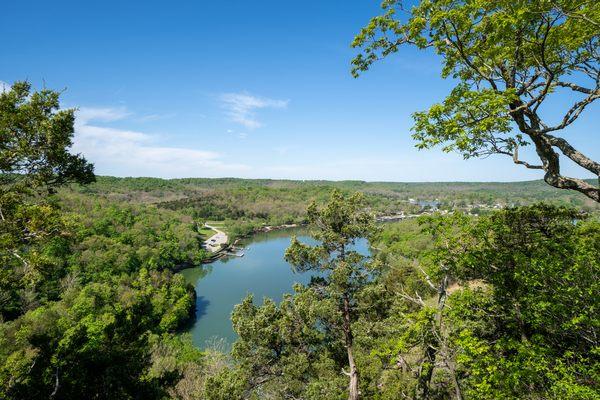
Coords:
pixel 87 114
pixel 109 114
pixel 132 153
pixel 241 107
pixel 154 117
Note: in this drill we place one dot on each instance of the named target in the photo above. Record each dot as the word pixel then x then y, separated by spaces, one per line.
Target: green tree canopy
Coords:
pixel 95 343
pixel 500 306
pixel 337 226
pixel 35 138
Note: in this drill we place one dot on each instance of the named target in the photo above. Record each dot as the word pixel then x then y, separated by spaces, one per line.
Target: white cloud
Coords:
pixel 131 153
pixel 241 107
pixel 87 114
pixel 154 117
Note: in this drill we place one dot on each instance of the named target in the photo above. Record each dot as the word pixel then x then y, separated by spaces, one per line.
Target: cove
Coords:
pixel 224 283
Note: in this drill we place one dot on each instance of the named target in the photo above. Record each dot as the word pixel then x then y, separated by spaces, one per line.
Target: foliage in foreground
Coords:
pixel 81 302
pixel 498 307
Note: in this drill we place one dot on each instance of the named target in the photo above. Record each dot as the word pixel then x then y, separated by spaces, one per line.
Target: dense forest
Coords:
pixel 383 196
pixel 253 203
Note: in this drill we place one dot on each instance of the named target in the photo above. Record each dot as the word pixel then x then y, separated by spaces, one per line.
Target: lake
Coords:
pixel 224 283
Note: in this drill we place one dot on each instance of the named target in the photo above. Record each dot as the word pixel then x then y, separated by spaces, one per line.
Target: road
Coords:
pixel 214 242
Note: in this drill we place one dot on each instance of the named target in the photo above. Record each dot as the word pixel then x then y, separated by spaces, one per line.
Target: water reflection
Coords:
pixel 202 304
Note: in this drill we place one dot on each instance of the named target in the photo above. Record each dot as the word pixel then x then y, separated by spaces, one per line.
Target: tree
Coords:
pixel 282 350
pixel 510 58
pixel 96 342
pixel 35 137
pixel 500 306
pixel 524 324
pixel 296 349
pixel 338 225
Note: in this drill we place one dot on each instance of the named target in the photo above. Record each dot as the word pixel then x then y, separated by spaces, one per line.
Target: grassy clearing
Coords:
pixel 216 224
pixel 207 232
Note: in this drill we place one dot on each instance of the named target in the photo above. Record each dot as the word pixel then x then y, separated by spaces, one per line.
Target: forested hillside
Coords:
pixel 281 201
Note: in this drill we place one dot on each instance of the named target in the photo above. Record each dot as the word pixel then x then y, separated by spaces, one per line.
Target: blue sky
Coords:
pixel 238 88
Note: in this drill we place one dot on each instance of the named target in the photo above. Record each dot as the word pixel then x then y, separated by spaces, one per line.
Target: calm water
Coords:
pixel 224 283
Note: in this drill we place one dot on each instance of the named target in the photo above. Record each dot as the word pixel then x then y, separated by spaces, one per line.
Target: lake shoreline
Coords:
pixel 221 253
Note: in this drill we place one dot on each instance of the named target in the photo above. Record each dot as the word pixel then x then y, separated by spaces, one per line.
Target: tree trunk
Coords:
pixel 425 373
pixel 553 177
pixel 544 146
pixel 353 393
pixel 427 366
pixel 457 391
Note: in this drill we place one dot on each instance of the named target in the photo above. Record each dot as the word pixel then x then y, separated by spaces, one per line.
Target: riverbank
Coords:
pixel 219 245
pixel 216 241
pixel 276 227
pixel 228 249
